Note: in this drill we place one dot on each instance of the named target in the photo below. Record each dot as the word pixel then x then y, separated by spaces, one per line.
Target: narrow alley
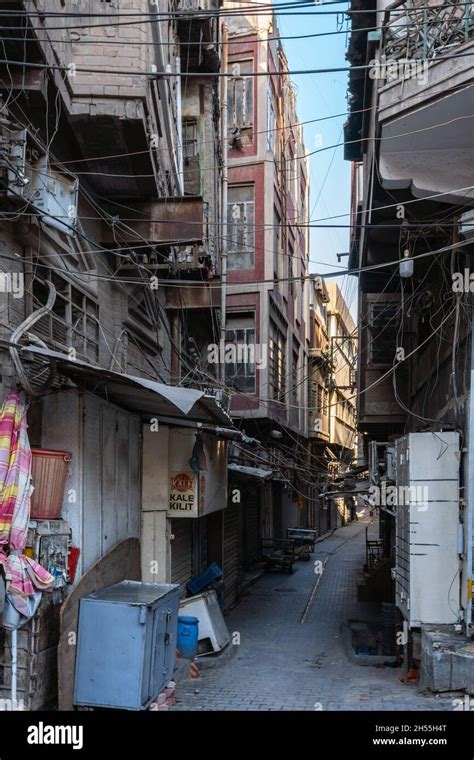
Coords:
pixel 295 651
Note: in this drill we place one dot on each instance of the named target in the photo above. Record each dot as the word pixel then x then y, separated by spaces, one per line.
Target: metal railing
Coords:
pixel 412 30
pixel 197 5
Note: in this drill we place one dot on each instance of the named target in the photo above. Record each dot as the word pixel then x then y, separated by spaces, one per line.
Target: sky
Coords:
pixel 322 95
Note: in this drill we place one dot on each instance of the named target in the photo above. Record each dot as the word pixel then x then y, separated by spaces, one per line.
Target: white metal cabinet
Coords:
pixel 427 520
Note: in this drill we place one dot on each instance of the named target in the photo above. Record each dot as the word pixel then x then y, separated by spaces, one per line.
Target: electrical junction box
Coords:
pixel 427 520
pixel 55 194
pixel 126 644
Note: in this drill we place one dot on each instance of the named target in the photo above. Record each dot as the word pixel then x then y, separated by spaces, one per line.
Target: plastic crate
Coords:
pixel 210 575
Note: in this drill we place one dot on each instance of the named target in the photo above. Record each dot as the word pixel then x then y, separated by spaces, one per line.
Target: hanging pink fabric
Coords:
pixel 24 576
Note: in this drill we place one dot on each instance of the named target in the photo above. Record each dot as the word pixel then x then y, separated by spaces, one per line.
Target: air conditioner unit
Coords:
pixel 55 194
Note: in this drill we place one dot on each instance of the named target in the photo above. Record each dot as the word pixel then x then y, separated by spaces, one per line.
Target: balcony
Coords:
pixel 115 117
pixel 418 32
pixel 198 32
pixel 164 221
pixel 425 95
pixel 170 234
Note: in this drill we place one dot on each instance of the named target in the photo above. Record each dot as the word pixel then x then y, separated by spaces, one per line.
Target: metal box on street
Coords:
pixel 126 644
pixel 427 524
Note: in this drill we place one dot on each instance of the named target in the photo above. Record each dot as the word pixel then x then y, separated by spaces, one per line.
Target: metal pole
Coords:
pixel 225 187
pixel 179 124
pixel 14 665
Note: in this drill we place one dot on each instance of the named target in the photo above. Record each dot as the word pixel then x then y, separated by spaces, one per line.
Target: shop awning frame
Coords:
pixel 259 473
pixel 142 396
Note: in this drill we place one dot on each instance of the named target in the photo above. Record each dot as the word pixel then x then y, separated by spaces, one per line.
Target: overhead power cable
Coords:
pixel 197 43
pixel 213 74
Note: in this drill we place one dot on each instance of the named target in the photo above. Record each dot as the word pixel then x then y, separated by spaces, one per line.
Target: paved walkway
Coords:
pixel 283 663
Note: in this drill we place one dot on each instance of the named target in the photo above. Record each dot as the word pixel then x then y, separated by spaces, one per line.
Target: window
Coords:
pixel 141 329
pixel 302 200
pixel 240 358
pixel 276 244
pixel 319 399
pixel 277 362
pixel 189 138
pixel 383 329
pixel 74 320
pixel 240 227
pixel 294 377
pixel 240 99
pixel 271 120
pixel 289 269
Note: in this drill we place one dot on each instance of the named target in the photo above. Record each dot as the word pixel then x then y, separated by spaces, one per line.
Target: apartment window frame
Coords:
pixel 73 322
pixel 241 330
pixel 277 237
pixel 294 375
pixel 139 325
pixel 277 361
pixel 271 119
pixel 381 326
pixel 240 98
pixel 190 143
pixel 241 227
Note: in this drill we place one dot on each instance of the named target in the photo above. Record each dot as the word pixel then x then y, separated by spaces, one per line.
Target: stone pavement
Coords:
pixel 283 663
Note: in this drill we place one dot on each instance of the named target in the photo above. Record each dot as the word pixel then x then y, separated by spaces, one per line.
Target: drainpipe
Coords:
pixel 179 120
pixel 164 89
pixel 16 336
pixel 224 192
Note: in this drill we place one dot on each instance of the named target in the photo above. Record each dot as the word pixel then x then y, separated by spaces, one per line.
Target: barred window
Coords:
pixel 240 355
pixel 73 322
pixel 277 362
pixel 383 328
pixel 240 227
pixel 189 138
pixel 240 98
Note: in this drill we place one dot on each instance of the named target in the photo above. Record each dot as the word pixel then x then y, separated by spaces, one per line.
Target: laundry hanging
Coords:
pixel 25 578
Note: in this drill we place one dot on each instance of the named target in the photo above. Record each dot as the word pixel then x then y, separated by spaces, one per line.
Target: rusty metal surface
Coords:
pixel 191 297
pixel 173 221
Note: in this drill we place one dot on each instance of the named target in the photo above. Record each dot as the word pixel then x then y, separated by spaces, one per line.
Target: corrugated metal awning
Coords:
pixel 261 473
pixel 137 394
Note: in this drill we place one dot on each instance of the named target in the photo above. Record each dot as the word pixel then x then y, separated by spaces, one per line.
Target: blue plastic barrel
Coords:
pixel 188 632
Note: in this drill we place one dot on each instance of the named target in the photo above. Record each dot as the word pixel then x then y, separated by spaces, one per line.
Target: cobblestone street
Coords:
pixel 295 652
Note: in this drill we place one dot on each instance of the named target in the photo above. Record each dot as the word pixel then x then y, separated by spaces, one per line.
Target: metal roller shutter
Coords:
pixel 231 554
pixel 182 552
pixel 252 526
pixel 323 519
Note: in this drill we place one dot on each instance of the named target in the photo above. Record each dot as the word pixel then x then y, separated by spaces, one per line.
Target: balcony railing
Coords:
pixel 412 30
